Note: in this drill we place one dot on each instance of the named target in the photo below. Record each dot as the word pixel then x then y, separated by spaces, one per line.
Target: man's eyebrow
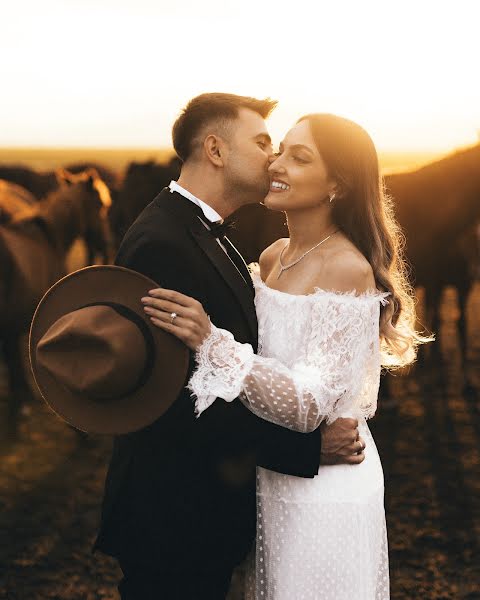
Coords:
pixel 265 136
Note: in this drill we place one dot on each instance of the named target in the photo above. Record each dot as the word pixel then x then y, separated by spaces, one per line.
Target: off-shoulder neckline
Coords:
pixel 350 295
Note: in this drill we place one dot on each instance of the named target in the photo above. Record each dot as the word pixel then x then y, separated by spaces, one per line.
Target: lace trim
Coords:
pixel 222 365
pixel 350 295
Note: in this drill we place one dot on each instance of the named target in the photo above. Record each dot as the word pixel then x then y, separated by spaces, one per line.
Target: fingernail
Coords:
pixel 145 300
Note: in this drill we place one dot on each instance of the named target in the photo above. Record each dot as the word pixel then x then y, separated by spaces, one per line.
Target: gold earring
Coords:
pixel 331 198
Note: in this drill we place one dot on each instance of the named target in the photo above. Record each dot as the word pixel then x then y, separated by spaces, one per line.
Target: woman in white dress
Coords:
pixel 333 306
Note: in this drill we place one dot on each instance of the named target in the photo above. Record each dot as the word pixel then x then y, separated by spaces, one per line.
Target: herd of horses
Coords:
pixel 43 214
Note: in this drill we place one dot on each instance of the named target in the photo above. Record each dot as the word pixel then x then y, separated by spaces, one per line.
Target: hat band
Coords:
pixel 132 316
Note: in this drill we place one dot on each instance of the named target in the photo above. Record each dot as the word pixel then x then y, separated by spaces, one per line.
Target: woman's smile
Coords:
pixel 276 185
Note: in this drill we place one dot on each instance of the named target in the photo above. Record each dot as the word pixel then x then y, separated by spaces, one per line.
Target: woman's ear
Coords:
pixel 337 192
pixel 214 148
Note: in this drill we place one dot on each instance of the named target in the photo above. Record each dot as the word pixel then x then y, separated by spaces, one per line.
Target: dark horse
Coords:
pixel 33 246
pixel 438 208
pixel 141 183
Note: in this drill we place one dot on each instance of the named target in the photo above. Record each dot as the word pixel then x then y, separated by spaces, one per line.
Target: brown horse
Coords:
pixel 38 183
pixel 33 247
pixel 13 200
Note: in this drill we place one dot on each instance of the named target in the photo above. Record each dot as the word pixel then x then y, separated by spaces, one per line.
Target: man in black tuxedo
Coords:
pixel 179 505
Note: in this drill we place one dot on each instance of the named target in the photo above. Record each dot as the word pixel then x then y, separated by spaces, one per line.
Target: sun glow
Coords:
pixel 108 73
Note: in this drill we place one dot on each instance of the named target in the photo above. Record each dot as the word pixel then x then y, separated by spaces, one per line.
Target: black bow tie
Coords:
pixel 219 229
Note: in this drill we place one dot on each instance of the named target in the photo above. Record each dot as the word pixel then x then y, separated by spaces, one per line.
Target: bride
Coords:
pixel 333 306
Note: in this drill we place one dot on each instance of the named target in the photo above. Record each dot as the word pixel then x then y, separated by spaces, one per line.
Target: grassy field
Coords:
pixel 45 159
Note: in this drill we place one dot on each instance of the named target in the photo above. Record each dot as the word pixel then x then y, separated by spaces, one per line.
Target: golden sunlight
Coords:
pixel 115 74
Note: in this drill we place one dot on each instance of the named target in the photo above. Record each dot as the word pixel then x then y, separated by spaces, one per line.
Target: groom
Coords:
pixel 179 507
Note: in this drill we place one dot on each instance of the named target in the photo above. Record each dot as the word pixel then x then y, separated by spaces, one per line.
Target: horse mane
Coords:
pixel 106 175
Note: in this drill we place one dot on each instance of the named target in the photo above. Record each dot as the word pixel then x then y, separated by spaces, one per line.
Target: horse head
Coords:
pixel 92 199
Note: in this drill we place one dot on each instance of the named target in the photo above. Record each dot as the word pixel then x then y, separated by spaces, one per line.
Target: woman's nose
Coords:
pixel 275 165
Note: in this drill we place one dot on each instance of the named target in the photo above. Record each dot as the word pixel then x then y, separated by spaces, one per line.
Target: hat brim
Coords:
pixel 123 286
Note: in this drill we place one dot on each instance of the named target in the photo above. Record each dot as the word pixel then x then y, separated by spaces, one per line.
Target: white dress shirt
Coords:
pixel 208 211
pixel 210 214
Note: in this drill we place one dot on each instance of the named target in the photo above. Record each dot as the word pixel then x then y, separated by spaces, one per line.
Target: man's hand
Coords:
pixel 341 443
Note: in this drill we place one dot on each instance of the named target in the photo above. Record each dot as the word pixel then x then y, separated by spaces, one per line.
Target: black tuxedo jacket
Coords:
pixel 180 493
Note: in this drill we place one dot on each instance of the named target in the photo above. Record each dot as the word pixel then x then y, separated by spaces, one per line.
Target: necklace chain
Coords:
pixel 295 262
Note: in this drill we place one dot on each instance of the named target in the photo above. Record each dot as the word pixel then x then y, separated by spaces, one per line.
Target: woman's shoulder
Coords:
pixel 347 270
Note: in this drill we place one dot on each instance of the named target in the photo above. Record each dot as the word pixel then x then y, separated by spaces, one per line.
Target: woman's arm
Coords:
pixel 323 385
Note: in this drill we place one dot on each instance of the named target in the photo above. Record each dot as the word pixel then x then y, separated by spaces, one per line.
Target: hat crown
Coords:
pixel 97 359
pixel 94 351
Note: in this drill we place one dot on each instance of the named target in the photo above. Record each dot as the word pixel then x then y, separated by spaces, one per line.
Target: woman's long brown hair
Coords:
pixel 365 214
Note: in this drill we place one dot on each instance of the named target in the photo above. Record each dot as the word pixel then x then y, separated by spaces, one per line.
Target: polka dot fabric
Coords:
pixel 319 358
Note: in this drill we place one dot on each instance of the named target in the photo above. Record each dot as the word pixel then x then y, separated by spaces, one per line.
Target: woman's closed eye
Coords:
pixel 299 159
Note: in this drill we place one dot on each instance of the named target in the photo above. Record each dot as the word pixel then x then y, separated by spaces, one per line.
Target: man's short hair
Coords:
pixel 216 110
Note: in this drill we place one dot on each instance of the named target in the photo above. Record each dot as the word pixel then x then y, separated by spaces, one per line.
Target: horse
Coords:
pixel 438 208
pixel 33 245
pixel 141 183
pixel 38 183
pixel 13 200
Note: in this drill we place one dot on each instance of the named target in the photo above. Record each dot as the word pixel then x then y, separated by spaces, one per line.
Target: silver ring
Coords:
pixel 173 316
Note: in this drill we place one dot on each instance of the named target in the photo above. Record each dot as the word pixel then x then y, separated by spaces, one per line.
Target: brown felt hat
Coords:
pixel 97 359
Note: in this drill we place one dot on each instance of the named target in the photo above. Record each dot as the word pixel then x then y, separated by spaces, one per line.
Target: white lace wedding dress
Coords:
pixel 319 358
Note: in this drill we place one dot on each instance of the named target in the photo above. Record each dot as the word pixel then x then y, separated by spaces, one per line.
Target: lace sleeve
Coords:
pixel 341 351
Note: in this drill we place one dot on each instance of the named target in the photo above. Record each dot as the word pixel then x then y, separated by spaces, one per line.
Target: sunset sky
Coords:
pixel 115 72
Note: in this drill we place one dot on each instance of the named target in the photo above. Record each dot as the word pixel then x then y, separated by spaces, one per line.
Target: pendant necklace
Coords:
pixel 295 262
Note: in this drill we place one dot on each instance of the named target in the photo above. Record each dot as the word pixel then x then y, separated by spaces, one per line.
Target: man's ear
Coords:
pixel 214 148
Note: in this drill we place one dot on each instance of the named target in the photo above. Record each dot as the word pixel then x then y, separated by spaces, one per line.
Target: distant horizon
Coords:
pixel 56 147
pixel 117 158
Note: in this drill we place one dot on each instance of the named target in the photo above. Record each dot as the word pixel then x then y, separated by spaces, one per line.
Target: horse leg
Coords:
pixel 463 292
pixel 433 297
pixel 429 356
pixel 19 389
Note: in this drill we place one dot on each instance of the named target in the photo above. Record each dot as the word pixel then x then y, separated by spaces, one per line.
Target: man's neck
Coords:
pixel 211 192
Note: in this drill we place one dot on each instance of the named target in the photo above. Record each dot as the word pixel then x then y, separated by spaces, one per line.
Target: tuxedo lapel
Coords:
pixel 233 270
pixel 229 271
pixel 241 265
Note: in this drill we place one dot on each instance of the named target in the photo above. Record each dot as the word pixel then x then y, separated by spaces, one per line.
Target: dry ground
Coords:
pixel 51 484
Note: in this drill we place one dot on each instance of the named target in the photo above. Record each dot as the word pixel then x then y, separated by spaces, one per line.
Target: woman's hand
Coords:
pixel 178 314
